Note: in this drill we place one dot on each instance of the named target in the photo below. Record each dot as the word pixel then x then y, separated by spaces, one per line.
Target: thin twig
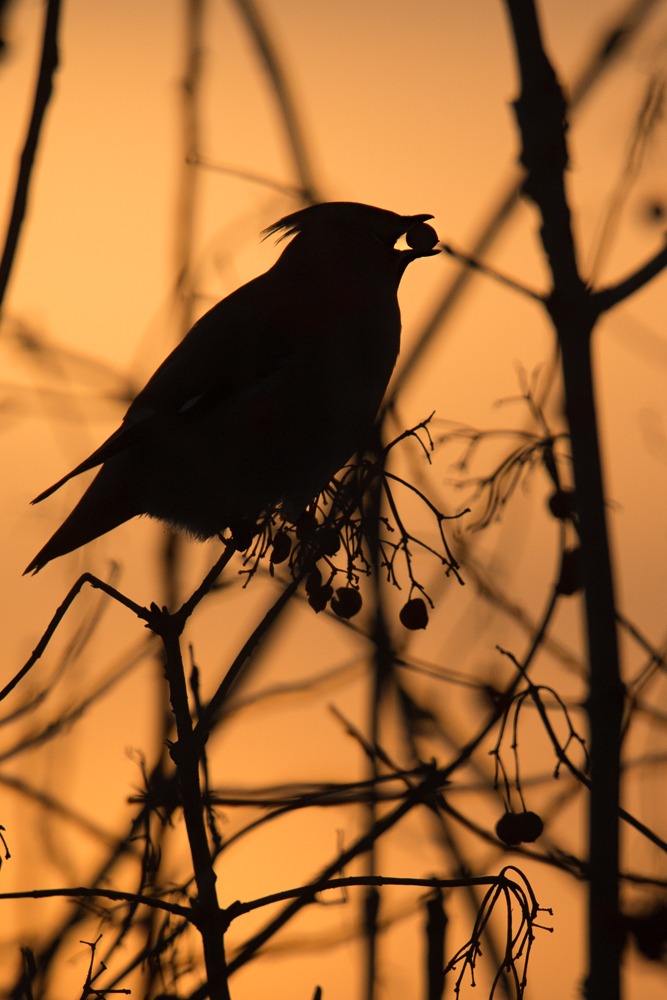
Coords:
pixel 207 718
pixel 574 770
pixel 308 892
pixel 249 175
pixel 202 590
pixel 81 892
pixel 492 273
pixel 608 297
pixel 38 651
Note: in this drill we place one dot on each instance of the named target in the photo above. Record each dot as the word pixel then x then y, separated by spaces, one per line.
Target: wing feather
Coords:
pixel 233 347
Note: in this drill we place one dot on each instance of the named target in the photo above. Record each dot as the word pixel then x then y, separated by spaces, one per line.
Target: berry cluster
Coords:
pixel 335 535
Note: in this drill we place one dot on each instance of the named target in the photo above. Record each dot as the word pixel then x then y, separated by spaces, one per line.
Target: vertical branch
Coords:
pixel 47 68
pixel 611 46
pixel 371 907
pixel 184 301
pixel 436 926
pixel 186 755
pixel 541 114
pixel 382 668
pixel 186 208
pixel 187 195
pixel 463 869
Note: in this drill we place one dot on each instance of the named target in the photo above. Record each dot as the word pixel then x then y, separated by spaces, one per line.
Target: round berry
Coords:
pixel 421 237
pixel 306 524
pixel 282 544
pixel 347 602
pixel 508 830
pixel 561 504
pixel 519 828
pixel 318 599
pixel 530 826
pixel 243 535
pixel 329 540
pixel 313 580
pixel 414 615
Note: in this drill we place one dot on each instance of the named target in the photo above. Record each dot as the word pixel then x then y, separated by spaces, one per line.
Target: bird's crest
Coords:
pixel 287 226
pixel 351 215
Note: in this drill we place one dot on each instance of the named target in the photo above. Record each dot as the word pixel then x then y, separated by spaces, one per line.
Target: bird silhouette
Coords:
pixel 269 394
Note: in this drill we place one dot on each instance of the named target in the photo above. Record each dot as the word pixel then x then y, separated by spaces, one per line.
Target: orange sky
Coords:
pixel 405 106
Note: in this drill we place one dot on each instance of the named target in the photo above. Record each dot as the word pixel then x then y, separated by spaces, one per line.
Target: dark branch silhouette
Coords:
pixel 47 68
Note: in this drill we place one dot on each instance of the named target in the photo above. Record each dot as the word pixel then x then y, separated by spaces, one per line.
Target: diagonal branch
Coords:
pixel 47 69
pixel 608 297
pixel 276 73
pixel 202 590
pixel 207 718
pixel 98 584
pixel 362 845
pixel 491 272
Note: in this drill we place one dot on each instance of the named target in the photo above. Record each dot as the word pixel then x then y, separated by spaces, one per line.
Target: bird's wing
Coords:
pixel 119 441
pixel 236 345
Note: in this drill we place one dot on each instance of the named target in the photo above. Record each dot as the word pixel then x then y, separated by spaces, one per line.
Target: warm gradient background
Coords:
pixel 405 106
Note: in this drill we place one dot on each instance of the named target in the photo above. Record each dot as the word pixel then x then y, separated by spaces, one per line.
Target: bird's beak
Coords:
pixel 414 254
pixel 413 220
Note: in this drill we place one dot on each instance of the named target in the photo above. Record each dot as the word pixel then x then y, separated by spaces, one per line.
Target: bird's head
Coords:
pixel 353 227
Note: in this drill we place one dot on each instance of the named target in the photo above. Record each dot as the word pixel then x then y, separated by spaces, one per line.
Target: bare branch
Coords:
pixel 276 73
pixel 608 297
pixel 308 892
pixel 82 892
pixel 250 175
pixel 207 718
pixel 574 770
pixel 47 69
pixel 476 265
pixel 98 584
pixel 611 47
pixel 202 590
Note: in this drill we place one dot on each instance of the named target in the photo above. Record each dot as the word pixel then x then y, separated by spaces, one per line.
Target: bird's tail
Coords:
pixel 100 509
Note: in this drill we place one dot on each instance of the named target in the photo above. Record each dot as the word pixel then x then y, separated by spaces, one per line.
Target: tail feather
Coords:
pixel 100 509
